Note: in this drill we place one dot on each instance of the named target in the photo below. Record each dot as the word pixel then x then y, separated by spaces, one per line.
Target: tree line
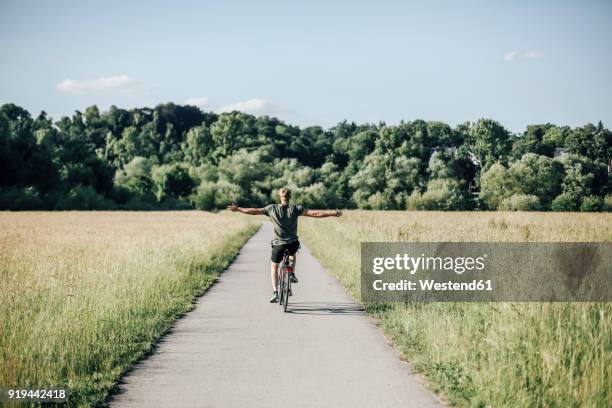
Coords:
pixel 179 157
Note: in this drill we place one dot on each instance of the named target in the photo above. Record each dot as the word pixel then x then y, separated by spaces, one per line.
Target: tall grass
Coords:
pixel 485 354
pixel 84 295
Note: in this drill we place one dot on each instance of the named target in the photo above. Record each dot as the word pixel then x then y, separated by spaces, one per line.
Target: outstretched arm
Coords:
pixel 322 213
pixel 251 211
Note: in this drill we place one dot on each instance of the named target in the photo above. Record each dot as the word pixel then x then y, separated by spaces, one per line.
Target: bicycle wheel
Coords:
pixel 287 290
pixel 281 283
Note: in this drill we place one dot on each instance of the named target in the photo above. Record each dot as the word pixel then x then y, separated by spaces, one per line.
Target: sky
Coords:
pixel 315 62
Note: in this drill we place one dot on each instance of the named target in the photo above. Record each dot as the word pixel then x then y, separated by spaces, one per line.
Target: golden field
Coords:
pixel 485 354
pixel 83 295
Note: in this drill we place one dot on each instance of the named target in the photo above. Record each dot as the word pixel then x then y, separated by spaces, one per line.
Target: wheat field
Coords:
pixel 85 294
pixel 485 354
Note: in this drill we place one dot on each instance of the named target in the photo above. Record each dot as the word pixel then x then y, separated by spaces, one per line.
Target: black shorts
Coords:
pixel 279 250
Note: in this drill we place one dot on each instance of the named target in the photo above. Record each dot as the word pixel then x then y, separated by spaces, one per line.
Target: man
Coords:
pixel 284 217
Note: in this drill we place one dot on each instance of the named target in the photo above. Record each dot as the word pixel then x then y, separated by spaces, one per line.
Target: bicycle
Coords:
pixel 283 285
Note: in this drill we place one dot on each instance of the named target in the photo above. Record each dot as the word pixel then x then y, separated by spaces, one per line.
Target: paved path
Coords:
pixel 237 350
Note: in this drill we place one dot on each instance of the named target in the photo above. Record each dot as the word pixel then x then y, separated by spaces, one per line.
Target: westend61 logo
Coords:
pixel 489 271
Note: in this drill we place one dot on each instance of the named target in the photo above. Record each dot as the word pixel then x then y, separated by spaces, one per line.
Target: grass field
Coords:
pixel 84 295
pixel 485 354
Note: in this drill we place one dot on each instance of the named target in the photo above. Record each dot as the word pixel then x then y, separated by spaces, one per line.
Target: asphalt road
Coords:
pixel 237 350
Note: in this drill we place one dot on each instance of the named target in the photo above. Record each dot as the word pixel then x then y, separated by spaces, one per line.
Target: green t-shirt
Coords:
pixel 285 220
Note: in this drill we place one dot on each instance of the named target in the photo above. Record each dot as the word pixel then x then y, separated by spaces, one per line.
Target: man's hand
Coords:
pixel 233 207
pixel 338 213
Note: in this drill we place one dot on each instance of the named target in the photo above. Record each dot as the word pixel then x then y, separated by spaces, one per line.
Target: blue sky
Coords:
pixel 316 62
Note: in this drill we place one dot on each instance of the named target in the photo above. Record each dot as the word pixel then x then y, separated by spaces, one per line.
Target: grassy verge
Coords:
pixel 485 354
pixel 85 295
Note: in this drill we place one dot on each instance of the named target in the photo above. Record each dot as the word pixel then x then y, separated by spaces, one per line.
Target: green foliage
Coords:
pixel 607 204
pixel 172 181
pixel 442 194
pixel 591 204
pixel 198 145
pixel 84 198
pixel 13 198
pixel 136 176
pixel 209 196
pixel 539 176
pixel 521 202
pixel 564 202
pixel 495 186
pixel 488 142
pixel 583 177
pixel 174 156
pixel 590 141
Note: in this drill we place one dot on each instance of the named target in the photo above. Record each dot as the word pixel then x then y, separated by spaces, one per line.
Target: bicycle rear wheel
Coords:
pixel 281 283
pixel 287 290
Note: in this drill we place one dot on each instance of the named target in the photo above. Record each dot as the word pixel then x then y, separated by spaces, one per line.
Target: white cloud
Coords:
pixel 533 55
pixel 122 83
pixel 510 56
pixel 513 55
pixel 255 106
pixel 199 101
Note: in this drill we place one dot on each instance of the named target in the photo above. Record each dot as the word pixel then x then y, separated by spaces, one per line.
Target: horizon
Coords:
pixel 316 64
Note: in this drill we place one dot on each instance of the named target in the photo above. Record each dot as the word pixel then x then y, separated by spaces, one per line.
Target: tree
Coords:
pixel 155 158
pixel 583 177
pixel 231 132
pixel 172 181
pixel 488 142
pixel 593 142
pixel 197 145
pixel 533 141
pixel 495 186
pixel 369 180
pixel 535 175
pixel 136 176
pixel 441 194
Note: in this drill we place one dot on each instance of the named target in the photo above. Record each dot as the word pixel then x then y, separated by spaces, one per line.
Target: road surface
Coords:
pixel 237 350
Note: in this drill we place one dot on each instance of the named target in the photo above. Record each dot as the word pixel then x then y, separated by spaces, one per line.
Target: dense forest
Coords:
pixel 179 157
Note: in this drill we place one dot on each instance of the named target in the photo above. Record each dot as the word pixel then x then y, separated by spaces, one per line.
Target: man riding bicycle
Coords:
pixel 284 217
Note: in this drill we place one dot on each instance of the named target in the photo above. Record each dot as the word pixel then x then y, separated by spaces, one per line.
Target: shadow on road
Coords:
pixel 325 308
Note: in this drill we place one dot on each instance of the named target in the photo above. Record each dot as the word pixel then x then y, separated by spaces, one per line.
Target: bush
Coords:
pixel 522 202
pixel 15 198
pixel 204 197
pixel 316 195
pixel 227 193
pixel 441 194
pixel 172 181
pixel 495 186
pixel 378 201
pixel 591 203
pixel 564 202
pixel 430 200
pixel 607 204
pixel 135 176
pixel 138 204
pixel 210 196
pixel 84 198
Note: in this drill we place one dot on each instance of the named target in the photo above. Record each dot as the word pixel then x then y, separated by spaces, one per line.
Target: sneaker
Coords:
pixel 292 278
pixel 274 298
